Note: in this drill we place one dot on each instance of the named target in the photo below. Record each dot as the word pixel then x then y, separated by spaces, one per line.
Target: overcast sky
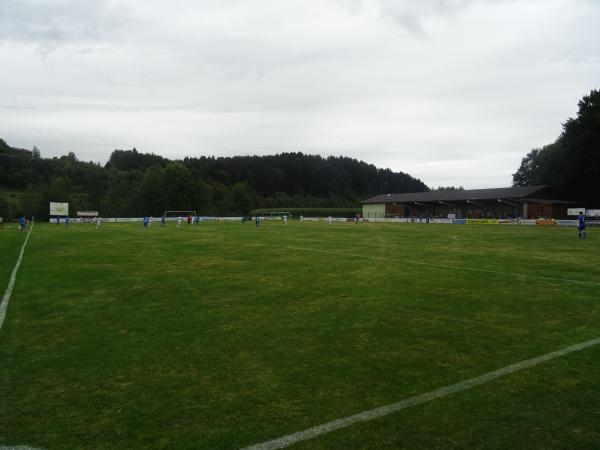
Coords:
pixel 454 92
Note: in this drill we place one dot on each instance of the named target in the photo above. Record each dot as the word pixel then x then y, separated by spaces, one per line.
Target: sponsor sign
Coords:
pixel 592 212
pixel 482 221
pixel 545 222
pixel 59 209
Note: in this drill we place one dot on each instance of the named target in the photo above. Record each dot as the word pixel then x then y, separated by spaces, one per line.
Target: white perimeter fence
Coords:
pixel 546 222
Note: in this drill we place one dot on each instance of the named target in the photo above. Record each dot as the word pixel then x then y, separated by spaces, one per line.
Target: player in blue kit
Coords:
pixel 162 221
pixel 23 223
pixel 146 221
pixel 581 225
pixel 257 221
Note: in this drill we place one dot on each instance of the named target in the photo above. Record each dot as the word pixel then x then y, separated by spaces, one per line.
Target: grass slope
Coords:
pixel 221 336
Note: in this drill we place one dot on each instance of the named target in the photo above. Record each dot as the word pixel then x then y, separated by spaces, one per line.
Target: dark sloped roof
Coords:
pixel 20 150
pixel 464 195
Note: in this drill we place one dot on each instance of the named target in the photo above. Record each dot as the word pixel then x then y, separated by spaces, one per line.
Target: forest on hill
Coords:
pixel 132 183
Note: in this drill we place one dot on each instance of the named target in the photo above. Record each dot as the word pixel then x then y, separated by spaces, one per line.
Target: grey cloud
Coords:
pixel 411 15
pixel 407 19
pixel 227 77
pixel 60 22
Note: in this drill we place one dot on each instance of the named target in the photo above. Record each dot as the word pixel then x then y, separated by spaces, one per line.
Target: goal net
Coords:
pixel 276 214
pixel 180 213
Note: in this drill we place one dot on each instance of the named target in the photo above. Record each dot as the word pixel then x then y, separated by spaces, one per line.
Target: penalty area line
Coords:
pixel 372 414
pixel 445 266
pixel 13 278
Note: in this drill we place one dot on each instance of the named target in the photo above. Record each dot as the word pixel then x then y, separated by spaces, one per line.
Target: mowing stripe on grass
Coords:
pixel 365 416
pixel 444 266
pixel 11 283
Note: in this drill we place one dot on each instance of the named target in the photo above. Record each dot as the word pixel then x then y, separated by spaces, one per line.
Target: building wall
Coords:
pixel 484 209
pixel 536 210
pixel 394 209
pixel 374 211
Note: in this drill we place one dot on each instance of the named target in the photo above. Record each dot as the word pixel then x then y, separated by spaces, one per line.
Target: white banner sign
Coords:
pixel 87 214
pixel 575 211
pixel 59 209
pixel 587 212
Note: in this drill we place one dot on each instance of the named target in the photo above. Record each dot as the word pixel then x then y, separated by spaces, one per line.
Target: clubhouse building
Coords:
pixel 527 202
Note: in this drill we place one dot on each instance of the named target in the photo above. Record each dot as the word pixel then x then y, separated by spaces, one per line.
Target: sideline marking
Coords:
pixel 444 266
pixel 13 278
pixel 365 416
pixel 3 306
pixel 19 447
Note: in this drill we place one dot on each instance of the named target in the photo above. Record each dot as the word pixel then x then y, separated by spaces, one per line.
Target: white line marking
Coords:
pixel 444 266
pixel 365 416
pixel 18 447
pixel 3 306
pixel 11 283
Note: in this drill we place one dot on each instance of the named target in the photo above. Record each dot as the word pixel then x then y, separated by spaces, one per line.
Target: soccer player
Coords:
pixel 23 224
pixel 146 222
pixel 67 221
pixel 257 222
pixel 57 220
pixel 150 220
pixel 179 220
pixel 189 219
pixel 98 222
pixel 163 221
pixel 329 220
pixel 1 223
pixel 581 225
pixel 285 219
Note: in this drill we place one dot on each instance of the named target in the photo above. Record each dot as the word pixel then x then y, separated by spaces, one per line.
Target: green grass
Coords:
pixel 10 246
pixel 221 336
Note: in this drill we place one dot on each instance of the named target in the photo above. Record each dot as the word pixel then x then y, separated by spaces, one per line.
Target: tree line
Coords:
pixel 571 164
pixel 133 183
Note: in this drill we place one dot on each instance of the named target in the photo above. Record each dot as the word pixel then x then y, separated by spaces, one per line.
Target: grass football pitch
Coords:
pixel 223 336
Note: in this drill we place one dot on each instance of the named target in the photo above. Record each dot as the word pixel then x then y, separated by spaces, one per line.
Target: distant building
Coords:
pixel 528 202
